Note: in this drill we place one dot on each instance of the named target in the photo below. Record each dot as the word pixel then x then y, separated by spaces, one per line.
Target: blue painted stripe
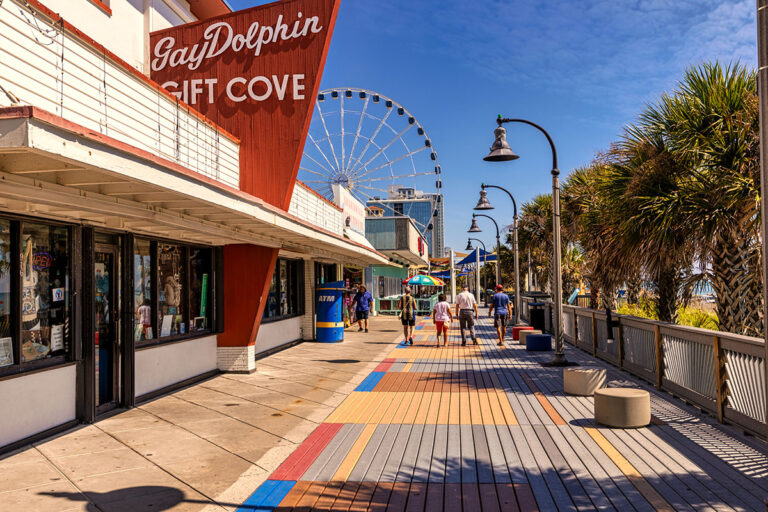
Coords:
pixel 268 496
pixel 370 381
pixel 419 327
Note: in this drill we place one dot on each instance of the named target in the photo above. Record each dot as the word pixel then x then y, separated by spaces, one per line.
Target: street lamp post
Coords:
pixel 762 93
pixel 474 228
pixel 501 152
pixel 484 204
pixel 485 254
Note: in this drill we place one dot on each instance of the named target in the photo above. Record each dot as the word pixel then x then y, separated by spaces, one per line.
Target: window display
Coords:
pixel 170 289
pixel 200 284
pixel 285 290
pixel 6 341
pixel 142 290
pixel 45 291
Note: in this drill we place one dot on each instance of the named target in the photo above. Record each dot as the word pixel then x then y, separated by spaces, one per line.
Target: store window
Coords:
pixel 44 291
pixel 6 337
pixel 171 288
pixel 173 291
pixel 200 286
pixel 286 290
pixel 143 270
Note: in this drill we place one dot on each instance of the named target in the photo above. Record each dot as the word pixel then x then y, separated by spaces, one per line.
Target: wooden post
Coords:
pixel 621 345
pixel 594 335
pixel 720 377
pixel 575 329
pixel 659 355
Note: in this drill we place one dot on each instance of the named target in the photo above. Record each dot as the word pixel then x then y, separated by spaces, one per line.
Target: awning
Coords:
pixel 470 259
pixel 52 168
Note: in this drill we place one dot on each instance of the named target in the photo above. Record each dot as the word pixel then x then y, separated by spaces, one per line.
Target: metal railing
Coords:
pixel 388 305
pixel 719 372
pixel 45 65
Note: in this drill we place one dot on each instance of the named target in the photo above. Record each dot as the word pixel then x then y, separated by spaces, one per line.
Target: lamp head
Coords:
pixel 500 150
pixel 474 228
pixel 469 246
pixel 483 203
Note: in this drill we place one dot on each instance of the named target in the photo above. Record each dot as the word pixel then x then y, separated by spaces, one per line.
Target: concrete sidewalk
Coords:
pixel 206 447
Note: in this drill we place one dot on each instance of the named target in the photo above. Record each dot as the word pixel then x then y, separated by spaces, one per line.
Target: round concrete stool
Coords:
pixel 622 407
pixel 524 334
pixel 583 381
pixel 538 342
pixel 516 330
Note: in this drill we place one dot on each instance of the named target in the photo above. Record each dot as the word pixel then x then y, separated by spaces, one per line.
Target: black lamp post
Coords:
pixel 484 204
pixel 474 228
pixel 485 253
pixel 501 152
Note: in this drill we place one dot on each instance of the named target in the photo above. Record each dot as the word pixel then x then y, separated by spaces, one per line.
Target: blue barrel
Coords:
pixel 330 320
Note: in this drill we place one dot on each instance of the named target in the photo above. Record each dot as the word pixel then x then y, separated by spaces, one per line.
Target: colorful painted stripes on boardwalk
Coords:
pixel 482 428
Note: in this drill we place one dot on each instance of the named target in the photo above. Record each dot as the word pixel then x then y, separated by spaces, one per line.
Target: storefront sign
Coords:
pixel 256 73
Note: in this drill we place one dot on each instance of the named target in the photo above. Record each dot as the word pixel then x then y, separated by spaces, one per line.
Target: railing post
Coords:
pixel 594 335
pixel 719 377
pixel 621 343
pixel 659 355
pixel 575 328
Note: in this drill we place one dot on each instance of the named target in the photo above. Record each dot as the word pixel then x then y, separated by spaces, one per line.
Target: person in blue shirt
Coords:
pixel 500 309
pixel 362 302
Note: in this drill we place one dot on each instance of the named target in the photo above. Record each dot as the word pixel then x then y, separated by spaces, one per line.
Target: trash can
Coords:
pixel 330 320
pixel 536 315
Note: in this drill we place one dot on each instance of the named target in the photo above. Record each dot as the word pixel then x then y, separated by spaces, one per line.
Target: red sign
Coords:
pixel 256 73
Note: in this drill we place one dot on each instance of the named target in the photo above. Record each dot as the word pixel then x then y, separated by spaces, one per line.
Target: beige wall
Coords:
pixel 126 31
pixel 164 365
pixel 34 403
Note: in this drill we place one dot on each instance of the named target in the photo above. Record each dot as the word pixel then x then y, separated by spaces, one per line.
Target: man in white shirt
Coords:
pixel 466 310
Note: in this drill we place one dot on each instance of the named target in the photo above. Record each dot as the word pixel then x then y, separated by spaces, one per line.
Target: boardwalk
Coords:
pixel 479 428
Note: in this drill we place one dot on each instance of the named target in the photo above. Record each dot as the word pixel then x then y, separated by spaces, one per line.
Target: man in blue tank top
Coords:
pixel 500 309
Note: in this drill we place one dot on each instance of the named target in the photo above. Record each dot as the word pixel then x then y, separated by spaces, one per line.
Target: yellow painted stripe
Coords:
pixel 422 407
pixel 464 414
pixel 506 408
pixel 408 366
pixel 387 402
pixel 453 411
pixel 365 408
pixel 330 324
pixel 444 409
pixel 348 464
pixel 434 408
pixel 342 412
pixel 485 408
pixel 632 474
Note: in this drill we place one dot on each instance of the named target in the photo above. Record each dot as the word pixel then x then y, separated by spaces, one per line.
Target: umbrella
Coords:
pixel 425 280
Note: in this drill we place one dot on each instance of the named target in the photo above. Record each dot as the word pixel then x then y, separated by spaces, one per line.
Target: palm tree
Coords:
pixel 712 123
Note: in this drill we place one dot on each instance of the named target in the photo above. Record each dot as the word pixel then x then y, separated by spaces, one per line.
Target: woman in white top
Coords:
pixel 441 314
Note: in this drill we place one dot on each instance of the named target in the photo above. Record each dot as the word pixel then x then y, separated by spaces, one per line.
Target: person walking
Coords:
pixel 362 302
pixel 407 306
pixel 442 317
pixel 466 310
pixel 500 309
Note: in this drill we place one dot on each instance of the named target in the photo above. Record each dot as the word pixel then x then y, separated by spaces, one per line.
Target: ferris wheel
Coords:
pixel 373 147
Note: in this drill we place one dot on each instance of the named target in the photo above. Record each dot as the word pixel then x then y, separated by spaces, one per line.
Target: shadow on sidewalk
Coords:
pixel 144 497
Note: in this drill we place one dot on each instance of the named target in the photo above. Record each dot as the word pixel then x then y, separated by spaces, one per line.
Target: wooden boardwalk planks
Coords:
pixel 489 429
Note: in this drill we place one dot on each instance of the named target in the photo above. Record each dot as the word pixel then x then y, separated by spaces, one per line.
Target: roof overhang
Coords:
pixel 54 169
pixel 204 9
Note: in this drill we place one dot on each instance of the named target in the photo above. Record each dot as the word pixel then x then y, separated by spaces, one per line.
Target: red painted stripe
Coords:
pixel 303 457
pixel 383 367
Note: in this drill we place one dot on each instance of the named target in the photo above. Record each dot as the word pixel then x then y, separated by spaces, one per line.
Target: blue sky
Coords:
pixel 580 68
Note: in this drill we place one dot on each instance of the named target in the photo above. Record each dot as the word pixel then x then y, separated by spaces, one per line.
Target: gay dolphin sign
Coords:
pixel 256 73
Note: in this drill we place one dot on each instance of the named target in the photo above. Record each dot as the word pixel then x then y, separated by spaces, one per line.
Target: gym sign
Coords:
pixel 256 73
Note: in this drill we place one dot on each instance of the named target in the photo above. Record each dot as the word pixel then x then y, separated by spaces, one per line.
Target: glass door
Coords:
pixel 106 332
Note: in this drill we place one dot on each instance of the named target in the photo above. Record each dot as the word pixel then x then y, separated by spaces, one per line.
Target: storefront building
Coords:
pixel 143 244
